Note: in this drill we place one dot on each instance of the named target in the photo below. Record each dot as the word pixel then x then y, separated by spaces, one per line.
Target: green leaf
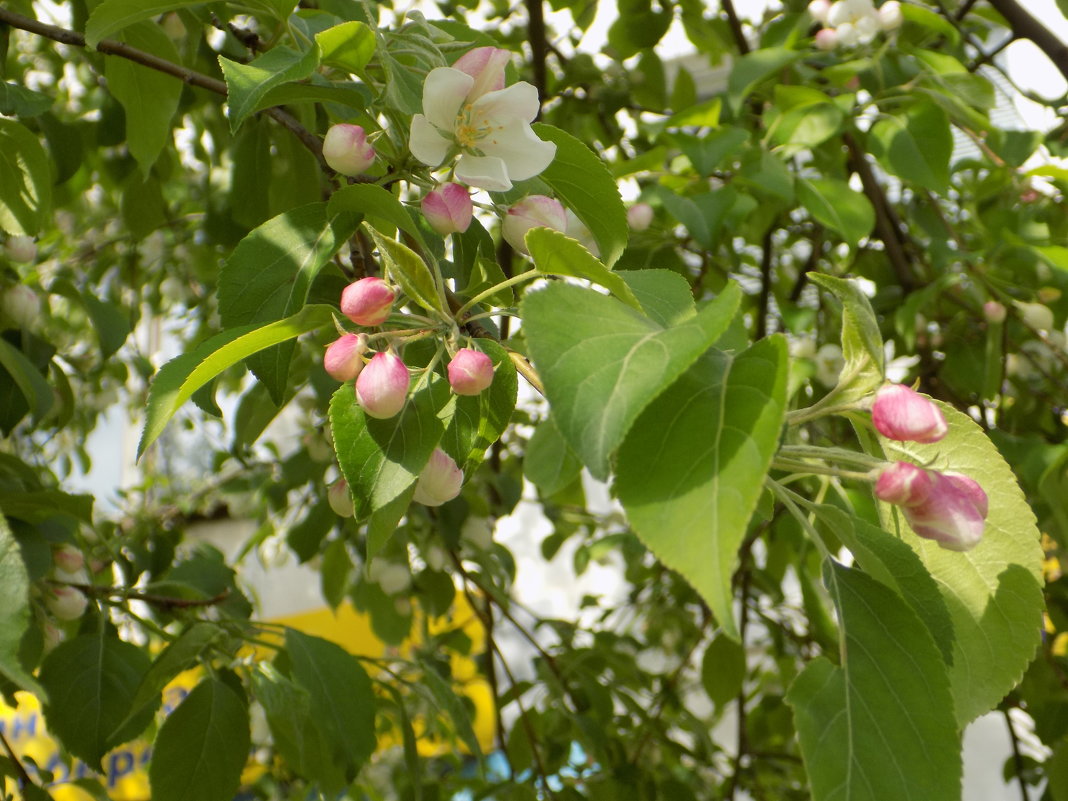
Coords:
pixel 246 84
pixel 935 23
pixel 33 386
pixel 555 253
pixel 915 146
pixel 340 697
pixel 90 682
pixel 602 362
pixel 479 420
pixel 18 101
pixel 25 180
pixel 832 203
pixel 664 294
pixel 449 702
pixel 179 378
pixel 880 725
pixel 751 70
pixel 862 343
pixel 549 463
pixel 376 203
pixel 994 592
pixel 348 46
pixel 582 182
pixel 269 275
pixel 149 97
pixel 114 15
pixel 202 746
pixel 723 670
pixel 39 505
pixel 692 468
pixel 14 610
pixel 409 272
pixel 707 152
pixel 381 459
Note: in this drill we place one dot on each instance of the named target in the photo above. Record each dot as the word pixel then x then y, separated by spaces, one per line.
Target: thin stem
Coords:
pixel 837 454
pixel 789 499
pixel 127 594
pixel 516 279
pixel 526 369
pixel 797 466
pixel 24 779
pixel 1017 758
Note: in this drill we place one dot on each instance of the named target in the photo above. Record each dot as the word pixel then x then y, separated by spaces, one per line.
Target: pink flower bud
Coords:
pixel 343 358
pixel 382 386
pixel 827 39
pixel 533 211
pixel 902 413
pixel 890 15
pixel 819 9
pixel 448 209
pixel 347 150
pixel 948 508
pixel 994 312
pixel 367 301
pixel 486 65
pixel 470 372
pixel 66 603
pixel 68 559
pixel 21 248
pixel 640 216
pixel 340 499
pixel 440 480
pixel 20 305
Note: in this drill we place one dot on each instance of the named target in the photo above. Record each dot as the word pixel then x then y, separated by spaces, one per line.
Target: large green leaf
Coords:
pixel 862 342
pixel 269 274
pixel 149 97
pixel 18 101
pixel 753 68
pixel 25 180
pixel 549 463
pixel 114 15
pixel 994 592
pixel 879 726
pixel 348 46
pixel 203 745
pixel 340 697
pixel 90 682
pixel 663 294
pixel 832 203
pixel 381 459
pixel 27 378
pixel 14 609
pixel 692 468
pixel 582 181
pixel 602 362
pixel 916 145
pixel 248 83
pixel 373 201
pixel 557 254
pixel 179 378
pixel 479 420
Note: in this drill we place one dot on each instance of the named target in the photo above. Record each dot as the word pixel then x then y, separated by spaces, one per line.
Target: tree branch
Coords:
pixel 111 47
pixel 736 27
pixel 539 45
pixel 1024 26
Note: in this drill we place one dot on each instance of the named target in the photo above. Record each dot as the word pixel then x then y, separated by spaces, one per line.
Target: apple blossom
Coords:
pixel 640 216
pixel 533 211
pixel 1035 315
pixel 66 603
pixel 829 364
pixel 347 150
pixel 382 386
pixel 343 358
pixel 340 499
pixel 948 508
pixel 490 127
pixel 853 22
pixel 392 577
pixel 901 413
pixel 994 312
pixel 448 209
pixel 68 559
pixel 367 301
pixel 827 39
pixel 470 372
pixel 819 9
pixel 440 480
pixel 890 15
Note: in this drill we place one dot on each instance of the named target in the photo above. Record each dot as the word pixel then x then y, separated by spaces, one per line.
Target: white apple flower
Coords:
pixel 490 129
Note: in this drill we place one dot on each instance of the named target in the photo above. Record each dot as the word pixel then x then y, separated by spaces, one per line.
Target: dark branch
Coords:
pixel 538 44
pixel 1024 26
pixel 736 27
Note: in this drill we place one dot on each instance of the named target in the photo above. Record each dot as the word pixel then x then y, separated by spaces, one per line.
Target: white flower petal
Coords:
pixel 516 144
pixel 426 144
pixel 518 100
pixel 443 93
pixel 485 172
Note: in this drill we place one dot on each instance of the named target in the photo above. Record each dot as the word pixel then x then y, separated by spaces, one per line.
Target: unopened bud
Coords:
pixel 640 216
pixel 347 150
pixel 1035 315
pixel 577 230
pixel 826 39
pixel 382 386
pixel 478 531
pixel 903 414
pixel 486 65
pixel 343 358
pixel 819 9
pixel 890 15
pixel 65 603
pixel 994 312
pixel 21 249
pixel 440 480
pixel 340 499
pixel 470 372
pixel 533 211
pixel 68 559
pixel 52 636
pixel 435 558
pixel 948 508
pixel 448 209
pixel 392 577
pixel 367 301
pixel 20 305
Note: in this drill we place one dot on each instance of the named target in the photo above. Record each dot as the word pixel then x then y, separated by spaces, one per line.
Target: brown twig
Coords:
pixel 735 26
pixel 24 779
pixel 1024 26
pixel 111 47
pixel 538 45
pixel 164 601
pixel 765 284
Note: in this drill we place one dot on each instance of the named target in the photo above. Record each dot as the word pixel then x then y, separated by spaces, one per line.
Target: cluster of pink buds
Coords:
pixel 64 601
pixel 948 508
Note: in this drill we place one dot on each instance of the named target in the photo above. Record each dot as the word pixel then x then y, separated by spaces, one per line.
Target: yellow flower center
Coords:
pixel 469 130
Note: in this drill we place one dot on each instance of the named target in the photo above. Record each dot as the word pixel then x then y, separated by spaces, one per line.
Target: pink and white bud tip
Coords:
pixel 343 358
pixel 340 499
pixel 905 415
pixel 470 372
pixel 448 209
pixel 640 216
pixel 347 150
pixel 440 481
pixel 368 301
pixel 533 211
pixel 382 386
